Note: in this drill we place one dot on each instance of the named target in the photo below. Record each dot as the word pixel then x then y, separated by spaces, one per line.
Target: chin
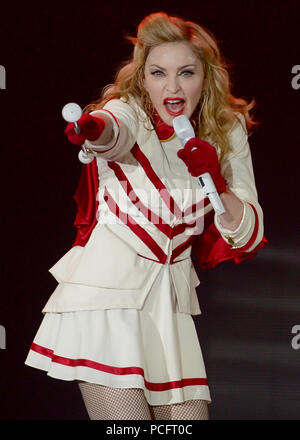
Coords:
pixel 168 119
pixel 169 122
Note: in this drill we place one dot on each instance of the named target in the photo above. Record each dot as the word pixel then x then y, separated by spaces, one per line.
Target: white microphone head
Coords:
pixel 183 128
pixel 71 112
pixel 85 158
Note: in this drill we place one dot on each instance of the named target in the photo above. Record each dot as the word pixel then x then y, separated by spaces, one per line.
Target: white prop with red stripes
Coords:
pixel 184 130
pixel 72 113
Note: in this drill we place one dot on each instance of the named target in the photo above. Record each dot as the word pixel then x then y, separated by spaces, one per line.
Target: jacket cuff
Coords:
pixel 116 133
pixel 243 233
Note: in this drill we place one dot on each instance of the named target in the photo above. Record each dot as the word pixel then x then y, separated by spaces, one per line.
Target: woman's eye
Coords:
pixel 157 73
pixel 187 73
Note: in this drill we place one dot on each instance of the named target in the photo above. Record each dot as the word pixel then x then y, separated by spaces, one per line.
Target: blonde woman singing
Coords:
pixel 120 320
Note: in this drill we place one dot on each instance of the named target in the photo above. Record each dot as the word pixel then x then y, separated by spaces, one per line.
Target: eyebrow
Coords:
pixel 182 67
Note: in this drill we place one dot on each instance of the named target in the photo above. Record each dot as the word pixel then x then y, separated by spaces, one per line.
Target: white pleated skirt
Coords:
pixel 155 348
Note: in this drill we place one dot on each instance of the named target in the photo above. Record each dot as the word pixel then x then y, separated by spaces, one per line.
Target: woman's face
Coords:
pixel 173 78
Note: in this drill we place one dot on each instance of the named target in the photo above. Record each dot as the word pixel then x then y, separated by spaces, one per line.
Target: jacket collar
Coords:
pixel 164 132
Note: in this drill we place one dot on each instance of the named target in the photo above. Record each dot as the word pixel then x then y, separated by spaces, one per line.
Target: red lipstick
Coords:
pixel 174 106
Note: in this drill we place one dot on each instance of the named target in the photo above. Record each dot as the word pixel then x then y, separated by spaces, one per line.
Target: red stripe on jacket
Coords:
pixel 154 178
pixel 155 219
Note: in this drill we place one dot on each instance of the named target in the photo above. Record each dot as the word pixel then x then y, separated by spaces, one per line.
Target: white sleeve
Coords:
pixel 125 128
pixel 237 170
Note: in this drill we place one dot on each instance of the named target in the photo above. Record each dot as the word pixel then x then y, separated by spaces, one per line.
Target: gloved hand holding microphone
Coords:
pixel 201 157
pixel 202 162
pixel 82 127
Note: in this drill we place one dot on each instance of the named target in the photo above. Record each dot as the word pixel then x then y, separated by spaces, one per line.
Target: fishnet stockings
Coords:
pixel 106 403
pixel 189 410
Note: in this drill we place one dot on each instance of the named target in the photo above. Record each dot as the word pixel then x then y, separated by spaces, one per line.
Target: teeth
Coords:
pixel 174 101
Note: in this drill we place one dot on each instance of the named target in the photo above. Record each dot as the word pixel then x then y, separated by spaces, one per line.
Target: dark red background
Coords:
pixel 57 53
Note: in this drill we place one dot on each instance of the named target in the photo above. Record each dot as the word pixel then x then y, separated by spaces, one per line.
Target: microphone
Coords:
pixel 184 131
pixel 72 113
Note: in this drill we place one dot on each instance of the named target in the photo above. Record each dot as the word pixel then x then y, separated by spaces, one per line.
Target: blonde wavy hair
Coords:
pixel 217 108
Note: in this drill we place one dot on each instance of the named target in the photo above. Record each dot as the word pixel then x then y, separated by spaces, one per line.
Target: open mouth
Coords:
pixel 174 106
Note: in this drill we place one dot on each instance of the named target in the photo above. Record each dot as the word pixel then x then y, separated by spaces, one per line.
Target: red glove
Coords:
pixel 90 128
pixel 203 159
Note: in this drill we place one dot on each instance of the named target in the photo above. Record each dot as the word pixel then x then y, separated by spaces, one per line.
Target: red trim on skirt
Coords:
pixel 163 386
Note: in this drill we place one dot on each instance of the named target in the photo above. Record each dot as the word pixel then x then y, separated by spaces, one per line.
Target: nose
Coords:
pixel 173 84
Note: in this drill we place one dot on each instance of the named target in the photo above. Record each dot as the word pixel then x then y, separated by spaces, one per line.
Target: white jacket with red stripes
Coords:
pixel 150 213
